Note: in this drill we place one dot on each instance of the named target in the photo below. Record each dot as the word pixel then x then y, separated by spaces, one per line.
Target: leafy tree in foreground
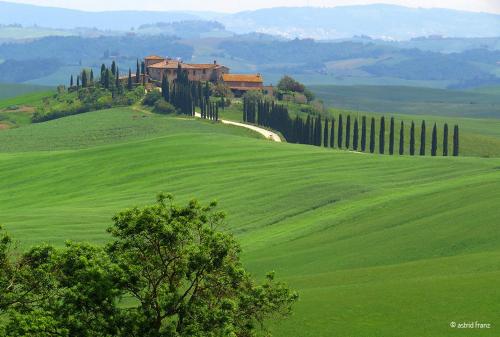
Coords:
pixel 445 140
pixel 434 141
pixel 185 277
pixel 372 136
pixel 402 139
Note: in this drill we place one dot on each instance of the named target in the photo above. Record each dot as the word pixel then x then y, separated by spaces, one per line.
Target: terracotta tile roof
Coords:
pixel 154 57
pixel 243 88
pixel 242 78
pixel 170 64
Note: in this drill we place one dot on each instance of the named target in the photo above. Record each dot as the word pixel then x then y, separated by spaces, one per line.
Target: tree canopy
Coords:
pixel 168 271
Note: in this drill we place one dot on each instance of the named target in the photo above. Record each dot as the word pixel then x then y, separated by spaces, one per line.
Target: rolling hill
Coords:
pixel 376 245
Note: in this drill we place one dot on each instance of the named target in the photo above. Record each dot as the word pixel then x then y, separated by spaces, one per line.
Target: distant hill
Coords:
pixel 379 21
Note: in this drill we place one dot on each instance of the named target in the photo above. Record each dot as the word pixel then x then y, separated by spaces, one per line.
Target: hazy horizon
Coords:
pixel 491 6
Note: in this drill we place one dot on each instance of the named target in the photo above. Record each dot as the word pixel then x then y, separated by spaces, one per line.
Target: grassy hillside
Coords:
pixel 412 100
pixel 12 90
pixel 17 106
pixel 376 245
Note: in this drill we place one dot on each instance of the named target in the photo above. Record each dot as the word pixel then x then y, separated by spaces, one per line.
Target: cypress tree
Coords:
pixel 372 136
pixel 319 128
pixel 434 141
pixel 103 74
pixel 117 79
pixel 92 76
pixel 391 137
pixel 348 132
pixel 129 82
pixel 307 131
pixel 113 68
pixel 84 79
pixel 412 139
pixel 339 133
pixel 456 141
pixel 165 88
pixel 422 139
pixel 138 73
pixel 143 68
pixel 311 132
pixel 445 140
pixel 355 137
pixel 402 139
pixel 363 134
pixel 325 133
pixel 78 82
pixel 71 82
pixel 332 134
pixel 381 139
pixel 107 79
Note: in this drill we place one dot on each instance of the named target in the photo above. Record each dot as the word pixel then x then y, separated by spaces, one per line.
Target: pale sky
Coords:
pixel 236 6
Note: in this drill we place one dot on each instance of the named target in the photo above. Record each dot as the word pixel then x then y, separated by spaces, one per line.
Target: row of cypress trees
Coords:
pixel 351 135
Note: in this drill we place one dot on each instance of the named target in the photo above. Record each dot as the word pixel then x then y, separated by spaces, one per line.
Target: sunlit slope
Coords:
pixel 376 245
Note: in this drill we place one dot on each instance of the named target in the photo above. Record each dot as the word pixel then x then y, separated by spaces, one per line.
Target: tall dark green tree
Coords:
pixel 422 139
pixel 325 133
pixel 372 136
pixel 138 73
pixel 412 139
pixel 165 90
pixel 332 134
pixel 434 141
pixel 91 77
pixel 319 129
pixel 143 68
pixel 348 132
pixel 355 136
pixel 129 82
pixel 391 137
pixel 78 82
pixel 381 138
pixel 402 139
pixel 340 135
pixel 103 74
pixel 363 134
pixel 113 68
pixel 118 85
pixel 307 130
pixel 456 141
pixel 445 140
pixel 71 81
pixel 107 79
pixel 85 80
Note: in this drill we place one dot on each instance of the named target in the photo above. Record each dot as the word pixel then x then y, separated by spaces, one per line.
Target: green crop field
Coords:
pixel 376 245
pixel 413 100
pixel 14 90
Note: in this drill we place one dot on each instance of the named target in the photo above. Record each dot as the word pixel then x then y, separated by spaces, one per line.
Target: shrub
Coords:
pixel 164 107
pixel 152 97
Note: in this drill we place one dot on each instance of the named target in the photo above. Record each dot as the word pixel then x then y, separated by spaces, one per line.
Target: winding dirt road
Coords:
pixel 266 133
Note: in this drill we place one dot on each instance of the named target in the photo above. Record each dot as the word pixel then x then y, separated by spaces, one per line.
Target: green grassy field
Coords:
pixel 376 245
pixel 18 104
pixel 412 100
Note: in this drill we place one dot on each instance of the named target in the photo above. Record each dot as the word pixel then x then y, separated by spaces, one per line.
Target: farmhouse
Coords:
pixel 157 67
pixel 240 83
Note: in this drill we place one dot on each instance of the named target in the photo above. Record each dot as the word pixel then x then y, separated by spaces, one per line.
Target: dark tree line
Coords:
pixel 313 130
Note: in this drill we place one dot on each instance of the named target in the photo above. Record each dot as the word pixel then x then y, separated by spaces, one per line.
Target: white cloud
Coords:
pixel 234 6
